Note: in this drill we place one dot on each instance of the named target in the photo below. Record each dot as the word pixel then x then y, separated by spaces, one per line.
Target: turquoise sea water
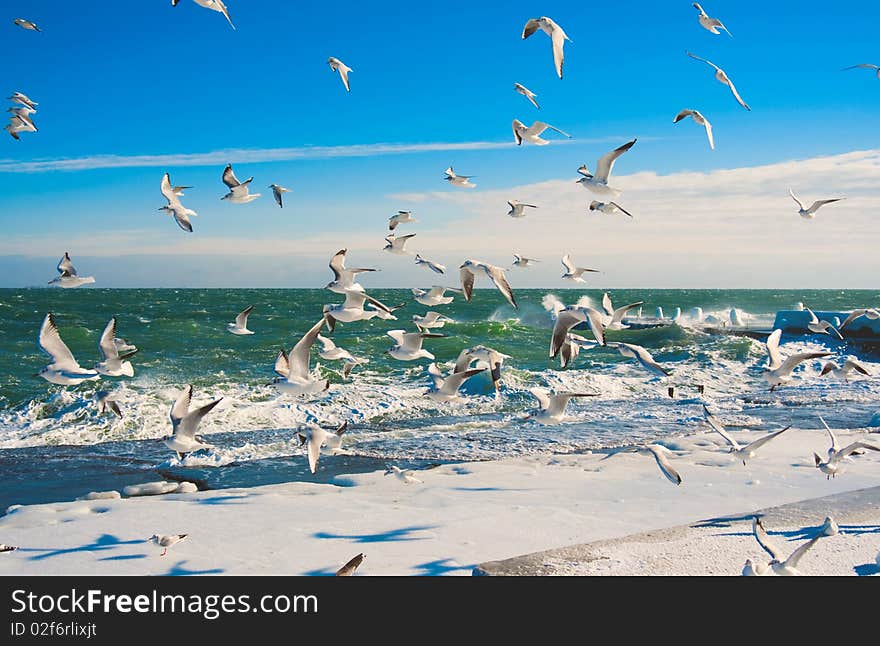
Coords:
pixel 54 445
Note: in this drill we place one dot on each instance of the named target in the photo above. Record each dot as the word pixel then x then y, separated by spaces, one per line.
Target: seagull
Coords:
pixel 107 403
pixel 404 475
pixel 831 465
pixel 608 207
pixel 868 313
pixel 779 371
pixel 458 180
pixel 113 362
pixel 332 352
pixel 409 345
pixel 522 261
pixel 575 274
pixel 571 348
pixel 533 132
pixel 22 99
pixel 174 207
pixel 401 218
pixel 338 66
pixel 316 437
pixel 711 24
pixel 614 320
pixel 434 296
pixel 7 548
pixel 788 567
pixel 431 320
pixel 700 119
pixel 185 422
pixel 396 245
pixel 446 388
pixel 343 281
pixel 352 309
pixel 867 66
pixel 526 92
pixel 485 358
pixel 67 277
pixel 239 326
pixel 166 540
pixel 518 209
pixel 294 367
pixel 835 446
pixel 213 5
pixel 552 407
pixel 349 568
pixel 843 372
pixel 739 451
pixel 238 191
pixel 496 274
pixel 829 527
pixel 722 77
pixel 557 37
pixel 433 266
pixel 18 123
pixel 26 24
pixel 64 369
pixel 278 191
pixel 642 356
pixel 659 453
pixel 569 317
pixel 598 183
pixel 810 213
pixel 820 327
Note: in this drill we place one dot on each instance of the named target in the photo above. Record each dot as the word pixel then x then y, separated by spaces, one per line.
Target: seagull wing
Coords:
pixel 568 264
pixel 773 350
pixel 282 364
pixel 277 195
pixel 712 421
pixel 855 446
pixel 789 364
pixel 764 540
pixel 863 65
pixel 181 406
pixel 497 275
pixel 467 282
pixel 50 342
pixel 241 319
pixel 107 345
pixel 316 438
pixel 229 177
pixel 819 203
pixel 736 95
pixel 662 462
pixel 558 40
pixel 168 190
pixel 530 28
pixel 709 135
pixel 798 554
pixel 852 317
pixel 299 355
pixel 454 381
pixel 607 305
pixel 684 114
pixel 566 320
pixel 704 61
pixel 606 161
pixel 618 314
pixel 191 421
pixel 644 357
pixel 65 266
pixel 761 441
pixel 542 396
pixel 795 198
pixel 337 263
pixel 621 209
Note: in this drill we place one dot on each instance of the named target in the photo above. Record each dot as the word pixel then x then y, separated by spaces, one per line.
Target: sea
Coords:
pixel 55 445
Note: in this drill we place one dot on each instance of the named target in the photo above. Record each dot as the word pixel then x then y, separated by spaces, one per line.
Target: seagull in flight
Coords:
pixel 614 316
pixel 433 266
pixel 22 99
pixel 526 92
pixel 522 261
pixel 467 272
pixel 722 77
pixel 409 345
pixel 107 403
pixel 831 465
pixel 661 457
pixel 434 296
pixel 610 208
pixel 810 213
pixel 402 217
pixel 567 318
pixel 557 38
pixel 533 133
pixel 64 369
pixel 397 245
pixel 598 183
pixel 445 389
pixel 780 567
pixel 344 279
pixel 338 66
pixel 238 191
pixel 518 209
pixel 739 451
pixel 113 362
pixel 404 475
pixel 698 117
pixel 175 208
pixel 779 371
pixel 26 24
pixel 353 309
pixel 239 326
pixel 458 180
pixel 293 367
pixel 67 277
pixel 315 437
pixel 640 354
pixel 431 320
pixel 821 327
pixel 185 422
pixel 843 372
pixel 278 191
pixel 332 352
pixel 572 273
pixel 869 313
pixel 710 24
pixel 482 357
pixel 551 408
pixel 213 5
pixel 867 66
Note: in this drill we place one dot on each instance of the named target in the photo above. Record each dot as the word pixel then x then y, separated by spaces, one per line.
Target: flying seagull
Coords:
pixel 572 273
pixel 433 266
pixel 842 372
pixel 522 261
pixel 397 245
pixel 68 277
pixel 518 209
pixel 315 437
pixel 831 465
pixel 810 213
pixel 739 451
pixel 26 24
pixel 344 279
pixel 213 5
pixel 786 567
pixel 557 37
pixel 22 99
pixel 641 355
pixel 551 408
pixel 294 366
pixel 445 389
pixel 458 180
pixel 401 218
pixel 434 296
pixel 238 191
pixel 533 133
pixel 869 313
pixel 278 191
pixel 64 369
pixel 608 207
pixel 722 77
pixel 778 370
pixel 526 92
pixel 239 326
pixel 659 453
pixel 567 318
pixel 185 422
pixel 404 475
pixel 408 345
pixel 867 66
pixel 821 327
pixel 496 275
pixel 113 362
pixel 431 320
pixel 175 208
pixel 710 24
pixel 700 119
pixel 598 183
pixel 484 358
pixel 338 66
pixel 614 315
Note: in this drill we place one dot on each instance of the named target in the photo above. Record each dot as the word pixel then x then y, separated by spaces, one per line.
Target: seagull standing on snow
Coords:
pixel 185 422
pixel 113 362
pixel 700 119
pixel 821 327
pixel 166 540
pixel 710 24
pixel 572 273
pixel 338 66
pixel 239 326
pixel 397 245
pixel 26 24
pixel 551 408
pixel 238 191
pixel 174 208
pixel 810 213
pixel 526 92
pixel 446 388
pixel 641 355
pixel 779 371
pixel 64 369
pixel 294 367
pixel 401 218
pixel 496 274
pixel 433 266
pixel 458 180
pixel 518 209
pixel 343 281
pixel 404 475
pixel 434 296
pixel 316 437
pixel 67 277
pixel 278 191
pixel 409 345
pixel 213 5
pixel 722 77
pixel 557 38
pixel 598 183
pixel 843 372
pixel 532 133
pixel 867 66
pixel 739 451
pixel 522 261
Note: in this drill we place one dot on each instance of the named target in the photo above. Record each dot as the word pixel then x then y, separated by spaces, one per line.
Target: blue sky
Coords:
pixel 147 79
